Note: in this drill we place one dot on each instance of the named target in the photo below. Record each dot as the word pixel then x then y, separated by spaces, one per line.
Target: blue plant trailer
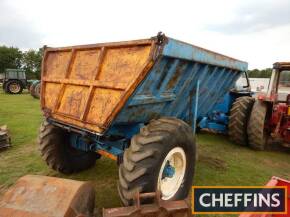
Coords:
pixel 136 102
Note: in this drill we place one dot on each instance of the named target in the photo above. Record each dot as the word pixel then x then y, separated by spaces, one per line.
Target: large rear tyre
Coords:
pixel 161 157
pixel 256 127
pixel 56 151
pixel 238 120
pixel 13 87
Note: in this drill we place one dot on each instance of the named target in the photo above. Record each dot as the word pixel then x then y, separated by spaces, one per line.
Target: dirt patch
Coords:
pixel 273 163
pixel 213 162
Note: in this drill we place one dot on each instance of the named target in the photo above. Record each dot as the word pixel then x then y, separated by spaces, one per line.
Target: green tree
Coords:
pixel 10 57
pixel 31 63
pixel 256 73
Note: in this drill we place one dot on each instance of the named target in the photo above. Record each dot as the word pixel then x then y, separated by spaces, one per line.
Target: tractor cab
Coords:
pixel 279 86
pixel 283 82
pixel 280 91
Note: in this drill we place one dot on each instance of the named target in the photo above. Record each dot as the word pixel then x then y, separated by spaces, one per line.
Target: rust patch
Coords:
pixel 179 69
pixel 73 102
pixel 56 64
pixel 159 208
pixel 85 64
pixel 41 196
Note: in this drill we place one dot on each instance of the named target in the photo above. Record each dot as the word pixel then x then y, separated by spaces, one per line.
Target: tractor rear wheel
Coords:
pixel 238 120
pixel 256 126
pixel 13 87
pixel 57 152
pixel 161 157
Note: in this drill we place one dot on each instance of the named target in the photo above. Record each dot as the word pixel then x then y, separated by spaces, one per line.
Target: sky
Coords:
pixel 256 31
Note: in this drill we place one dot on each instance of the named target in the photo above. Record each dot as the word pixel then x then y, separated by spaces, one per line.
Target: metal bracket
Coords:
pixel 160 38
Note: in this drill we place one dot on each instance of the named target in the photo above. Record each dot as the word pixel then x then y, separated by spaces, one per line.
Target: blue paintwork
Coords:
pixel 196 105
pixel 77 142
pixel 181 50
pixel 168 171
pixel 218 119
pixel 115 148
pixel 225 103
pixel 215 121
pixel 186 82
pixel 171 87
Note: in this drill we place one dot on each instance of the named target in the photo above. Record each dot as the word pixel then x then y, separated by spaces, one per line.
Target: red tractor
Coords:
pixel 269 121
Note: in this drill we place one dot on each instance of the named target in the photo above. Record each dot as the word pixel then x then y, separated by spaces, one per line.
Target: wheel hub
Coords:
pixel 14 88
pixel 168 171
pixel 172 173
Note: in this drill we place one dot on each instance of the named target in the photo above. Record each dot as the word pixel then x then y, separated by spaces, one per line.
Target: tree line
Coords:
pixel 266 73
pixel 30 61
pixel 256 73
pixel 14 58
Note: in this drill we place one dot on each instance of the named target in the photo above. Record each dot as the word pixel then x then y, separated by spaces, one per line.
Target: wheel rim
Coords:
pixel 14 88
pixel 172 173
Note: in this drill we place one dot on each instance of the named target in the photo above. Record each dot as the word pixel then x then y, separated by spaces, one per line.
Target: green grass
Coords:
pixel 220 161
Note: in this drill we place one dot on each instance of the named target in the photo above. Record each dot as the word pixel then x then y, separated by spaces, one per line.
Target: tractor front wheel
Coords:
pixel 161 157
pixel 57 152
pixel 257 134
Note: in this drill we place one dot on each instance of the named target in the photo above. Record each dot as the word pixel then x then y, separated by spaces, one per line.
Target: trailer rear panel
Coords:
pixel 87 85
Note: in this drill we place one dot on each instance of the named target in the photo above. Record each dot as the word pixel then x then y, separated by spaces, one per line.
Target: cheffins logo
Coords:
pixel 242 199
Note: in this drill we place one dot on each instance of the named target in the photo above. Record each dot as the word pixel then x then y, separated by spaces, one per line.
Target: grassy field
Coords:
pixel 220 161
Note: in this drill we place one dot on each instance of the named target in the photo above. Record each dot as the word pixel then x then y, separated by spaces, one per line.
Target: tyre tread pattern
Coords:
pixel 53 151
pixel 256 126
pixel 238 120
pixel 141 158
